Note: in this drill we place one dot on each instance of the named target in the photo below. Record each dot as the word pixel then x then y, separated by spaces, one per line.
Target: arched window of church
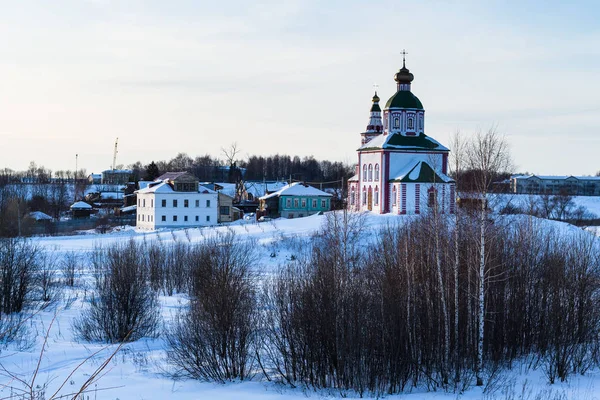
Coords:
pixel 370 172
pixel 352 194
pixel 364 196
pixel 394 196
pixel 377 172
pixel 376 199
pixel 364 177
pixel 411 123
pixel 396 122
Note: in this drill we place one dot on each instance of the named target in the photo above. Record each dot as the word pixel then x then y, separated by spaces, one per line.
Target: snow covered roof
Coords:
pixel 80 205
pixel 40 216
pixel 128 208
pixel 257 189
pixel 144 184
pixel 397 141
pixel 171 176
pixel 419 172
pixel 557 177
pixel 297 189
pixel 164 187
pixel 354 178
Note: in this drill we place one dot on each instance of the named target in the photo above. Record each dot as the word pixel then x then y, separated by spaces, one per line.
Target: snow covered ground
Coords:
pixel 137 371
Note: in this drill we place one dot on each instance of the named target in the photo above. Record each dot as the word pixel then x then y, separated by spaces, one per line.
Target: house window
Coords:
pixel 377 172
pixel 370 172
pixel 224 210
pixel 163 203
pixel 174 218
pixel 394 196
pixel 295 203
pixel 144 203
pixel 314 203
pixel 364 196
pixel 152 203
pixel 185 218
pixel 142 217
pixel 197 218
pixel 197 203
pixel 411 123
pixel 207 203
pixel 139 217
pixel 174 203
pixel 186 203
pixel 163 218
pixel 376 199
pixel 323 203
pixel 396 122
pixel 352 194
pixel 303 203
pixel 291 215
pixel 208 218
pixel 364 177
pixel 139 203
pixel 288 203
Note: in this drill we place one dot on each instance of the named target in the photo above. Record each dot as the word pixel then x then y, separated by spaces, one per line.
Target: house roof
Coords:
pixel 164 187
pixel 354 178
pixel 297 189
pixel 420 172
pixel 396 141
pixel 80 205
pixel 40 216
pixel 171 176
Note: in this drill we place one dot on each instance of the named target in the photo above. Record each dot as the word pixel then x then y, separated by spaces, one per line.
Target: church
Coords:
pixel 400 170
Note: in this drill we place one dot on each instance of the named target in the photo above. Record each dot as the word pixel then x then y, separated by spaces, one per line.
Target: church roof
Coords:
pixel 420 172
pixel 404 99
pixel 396 141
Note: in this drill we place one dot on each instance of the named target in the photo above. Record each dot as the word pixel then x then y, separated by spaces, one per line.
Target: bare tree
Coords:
pixel 488 156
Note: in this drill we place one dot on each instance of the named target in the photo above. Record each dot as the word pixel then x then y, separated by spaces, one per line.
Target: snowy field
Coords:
pixel 137 371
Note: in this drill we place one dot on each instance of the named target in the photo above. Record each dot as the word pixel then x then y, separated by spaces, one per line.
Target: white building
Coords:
pixel 400 169
pixel 553 184
pixel 175 200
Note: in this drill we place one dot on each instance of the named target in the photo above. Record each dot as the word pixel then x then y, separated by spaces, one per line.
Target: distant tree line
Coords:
pixel 274 167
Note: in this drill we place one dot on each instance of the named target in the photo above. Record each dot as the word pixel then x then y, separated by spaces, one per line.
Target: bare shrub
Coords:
pixel 69 266
pixel 124 307
pixel 214 339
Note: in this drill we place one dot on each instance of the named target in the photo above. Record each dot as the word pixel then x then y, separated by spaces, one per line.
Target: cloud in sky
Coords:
pixel 291 77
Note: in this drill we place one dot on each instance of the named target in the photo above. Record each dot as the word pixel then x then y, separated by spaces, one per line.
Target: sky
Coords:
pixel 292 77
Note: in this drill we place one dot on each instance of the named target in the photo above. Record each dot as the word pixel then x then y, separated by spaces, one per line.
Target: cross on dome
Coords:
pixel 404 53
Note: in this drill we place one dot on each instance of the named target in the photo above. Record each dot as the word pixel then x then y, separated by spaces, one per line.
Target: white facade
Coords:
pixel 159 206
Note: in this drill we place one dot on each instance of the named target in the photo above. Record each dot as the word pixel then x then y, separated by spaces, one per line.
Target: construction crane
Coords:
pixel 115 155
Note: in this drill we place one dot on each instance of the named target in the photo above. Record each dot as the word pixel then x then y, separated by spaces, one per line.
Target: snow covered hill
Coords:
pixel 138 372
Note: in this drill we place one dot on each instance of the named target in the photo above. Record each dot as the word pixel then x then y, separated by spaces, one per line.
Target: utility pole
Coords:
pixel 75 183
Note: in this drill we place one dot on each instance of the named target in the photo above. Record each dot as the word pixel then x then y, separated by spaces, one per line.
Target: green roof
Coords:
pixel 397 141
pixel 412 141
pixel 422 173
pixel 375 107
pixel 404 99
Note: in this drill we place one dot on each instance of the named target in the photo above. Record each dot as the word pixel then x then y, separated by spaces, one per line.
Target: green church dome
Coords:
pixel 404 99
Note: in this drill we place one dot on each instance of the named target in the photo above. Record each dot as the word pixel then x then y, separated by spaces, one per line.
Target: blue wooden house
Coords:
pixel 294 201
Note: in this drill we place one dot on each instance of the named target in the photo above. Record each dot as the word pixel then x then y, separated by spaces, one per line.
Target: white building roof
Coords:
pixel 40 216
pixel 298 189
pixel 164 187
pixel 80 205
